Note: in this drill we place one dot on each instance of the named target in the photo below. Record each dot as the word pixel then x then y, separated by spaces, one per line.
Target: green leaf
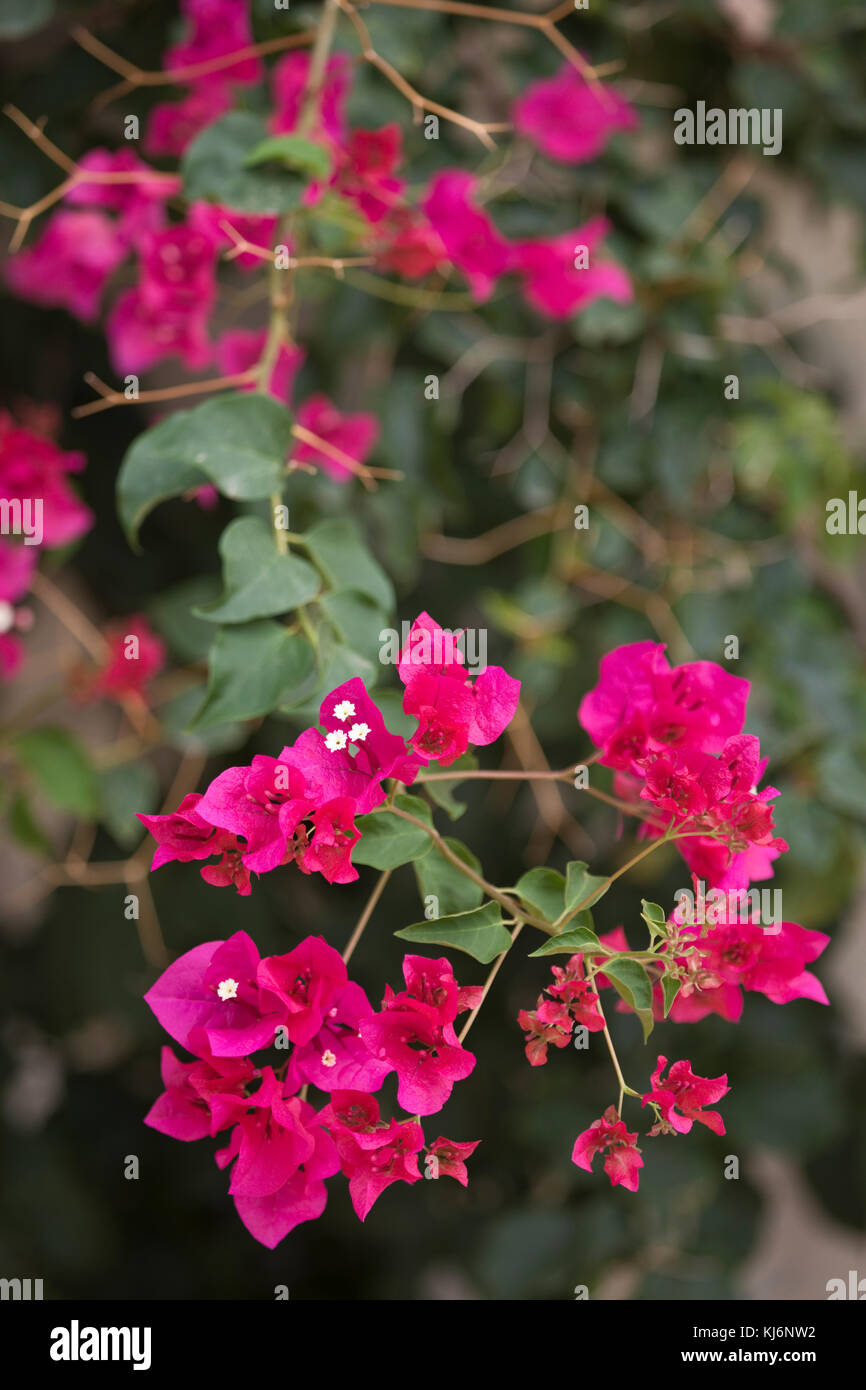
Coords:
pixel 357 620
pixel 216 168
pixel 632 984
pixel 654 915
pixel 18 18
pixel 125 790
pixel 387 841
pixel 544 891
pixel 238 441
pixel 670 990
pixel 582 886
pixel 251 666
pixel 338 548
pixel 479 933
pixel 569 942
pixel 60 768
pixel 337 663
pixel 172 613
pixel 443 792
pixel 177 714
pixel 26 829
pixel 294 152
pixel 259 582
pixel 439 878
pixel 842 780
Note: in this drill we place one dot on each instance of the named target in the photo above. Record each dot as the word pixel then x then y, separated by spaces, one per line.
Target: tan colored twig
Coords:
pixel 75 175
pixel 134 76
pixel 497 965
pixel 478 550
pixel 361 470
pixel 552 810
pixel 480 129
pixel 109 397
pixel 365 916
pixel 544 23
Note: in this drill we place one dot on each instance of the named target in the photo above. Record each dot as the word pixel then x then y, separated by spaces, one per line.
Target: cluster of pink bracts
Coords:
pixel 300 807
pixel 673 736
pixel 223 1003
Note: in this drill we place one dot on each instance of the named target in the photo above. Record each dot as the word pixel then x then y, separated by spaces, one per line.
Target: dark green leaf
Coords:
pixel 443 792
pixel 172 614
pixel 670 990
pixel 438 877
pixel 60 768
pixel 569 942
pixel 632 984
pixel 654 915
pixel 26 829
pixel 357 620
pixel 479 933
pixel 259 582
pixel 387 841
pixel 250 668
pixel 124 791
pixel 18 18
pixel 294 152
pixel 543 890
pixel 239 442
pixel 216 168
pixel 583 887
pixel 338 549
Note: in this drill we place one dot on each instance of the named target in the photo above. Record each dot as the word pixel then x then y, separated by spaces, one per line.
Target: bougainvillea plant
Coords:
pixel 330 801
pixel 265 171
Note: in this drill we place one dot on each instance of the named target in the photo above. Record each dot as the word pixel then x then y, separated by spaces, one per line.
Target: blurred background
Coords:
pixel 707 519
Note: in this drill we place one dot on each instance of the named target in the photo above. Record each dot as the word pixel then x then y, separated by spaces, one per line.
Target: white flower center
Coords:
pixel 228 989
pixel 359 732
pixel 344 710
pixel 329 1058
pixel 336 740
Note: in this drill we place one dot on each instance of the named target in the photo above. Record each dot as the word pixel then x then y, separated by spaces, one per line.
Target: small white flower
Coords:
pixel 329 1058
pixel 227 989
pixel 344 710
pixel 336 740
pixel 359 732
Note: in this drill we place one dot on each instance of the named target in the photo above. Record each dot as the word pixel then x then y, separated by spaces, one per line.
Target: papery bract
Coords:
pixel 353 435
pixel 471 241
pixel 609 1135
pixel 570 118
pixel 70 264
pixel 213 987
pixel 681 1096
pixel 32 466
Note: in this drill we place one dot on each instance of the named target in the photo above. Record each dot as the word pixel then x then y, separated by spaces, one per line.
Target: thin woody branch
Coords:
pixel 481 129
pixel 134 76
pixel 544 23
pixel 75 175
